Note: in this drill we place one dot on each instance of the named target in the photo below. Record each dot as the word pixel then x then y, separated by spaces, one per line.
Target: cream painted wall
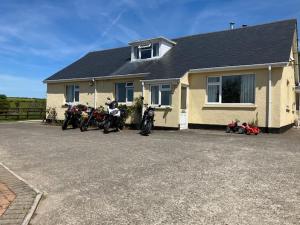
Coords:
pixel 106 88
pixel 221 114
pixel 166 117
pixel 288 97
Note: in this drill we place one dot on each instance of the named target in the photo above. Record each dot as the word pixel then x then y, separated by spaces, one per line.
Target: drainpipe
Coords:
pixel 269 123
pixel 143 87
pixel 95 93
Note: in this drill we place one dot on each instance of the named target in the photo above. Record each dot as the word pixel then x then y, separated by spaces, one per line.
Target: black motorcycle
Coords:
pixel 115 118
pixel 72 116
pixel 147 123
pixel 92 117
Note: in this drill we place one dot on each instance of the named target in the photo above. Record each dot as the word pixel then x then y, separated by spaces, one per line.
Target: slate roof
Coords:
pixel 266 43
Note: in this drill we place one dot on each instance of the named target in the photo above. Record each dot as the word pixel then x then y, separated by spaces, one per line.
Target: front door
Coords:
pixel 184 108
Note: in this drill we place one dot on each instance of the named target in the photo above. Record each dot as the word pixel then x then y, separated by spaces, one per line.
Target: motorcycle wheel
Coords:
pixel 83 126
pixel 241 130
pixel 228 130
pixel 74 124
pixel 106 126
pixel 147 128
pixel 65 124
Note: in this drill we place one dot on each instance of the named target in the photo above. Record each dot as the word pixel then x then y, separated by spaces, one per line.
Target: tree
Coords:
pixel 4 104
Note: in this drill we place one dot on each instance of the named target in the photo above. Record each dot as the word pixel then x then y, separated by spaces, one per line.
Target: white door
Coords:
pixel 184 109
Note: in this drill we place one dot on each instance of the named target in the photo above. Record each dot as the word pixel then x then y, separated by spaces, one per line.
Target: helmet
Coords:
pixel 113 105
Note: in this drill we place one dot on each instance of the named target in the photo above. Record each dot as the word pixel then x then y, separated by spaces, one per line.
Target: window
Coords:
pixel 155 49
pixel 72 93
pixel 124 92
pixel 146 51
pixel 161 94
pixel 136 52
pixel 231 89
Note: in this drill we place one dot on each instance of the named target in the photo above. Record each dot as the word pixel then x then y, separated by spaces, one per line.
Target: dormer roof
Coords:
pixel 151 40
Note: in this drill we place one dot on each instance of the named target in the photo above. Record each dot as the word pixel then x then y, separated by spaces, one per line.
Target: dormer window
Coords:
pixel 151 48
pixel 146 51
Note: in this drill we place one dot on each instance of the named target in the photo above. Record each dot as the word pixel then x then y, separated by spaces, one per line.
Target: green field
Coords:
pixel 16 108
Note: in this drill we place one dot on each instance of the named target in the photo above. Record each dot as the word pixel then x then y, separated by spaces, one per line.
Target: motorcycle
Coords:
pixel 92 117
pixel 73 116
pixel 148 121
pixel 248 129
pixel 233 127
pixel 115 118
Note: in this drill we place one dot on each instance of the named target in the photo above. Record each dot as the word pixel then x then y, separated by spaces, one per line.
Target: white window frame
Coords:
pixel 160 89
pixel 76 88
pixel 140 49
pixel 127 86
pixel 220 89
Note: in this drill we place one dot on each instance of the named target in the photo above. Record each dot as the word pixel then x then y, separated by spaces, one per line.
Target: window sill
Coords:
pixel 249 106
pixel 162 107
pixel 126 103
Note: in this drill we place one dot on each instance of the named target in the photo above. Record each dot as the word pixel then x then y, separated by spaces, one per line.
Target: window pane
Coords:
pixel 136 52
pixel 213 93
pixel 183 97
pixel 231 89
pixel 69 93
pixel 213 79
pixel 130 94
pixel 129 84
pixel 145 53
pixel 247 89
pixel 76 96
pixel 155 49
pixel 154 95
pixel 121 92
pixel 165 86
pixel 165 97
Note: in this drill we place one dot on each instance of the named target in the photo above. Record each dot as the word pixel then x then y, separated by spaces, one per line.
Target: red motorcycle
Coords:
pixel 233 127
pixel 73 116
pixel 248 129
pixel 92 117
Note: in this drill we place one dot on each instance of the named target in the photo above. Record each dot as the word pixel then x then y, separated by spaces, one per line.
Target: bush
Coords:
pixel 4 104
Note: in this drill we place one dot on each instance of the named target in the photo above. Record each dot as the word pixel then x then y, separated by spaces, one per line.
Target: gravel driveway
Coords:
pixel 170 177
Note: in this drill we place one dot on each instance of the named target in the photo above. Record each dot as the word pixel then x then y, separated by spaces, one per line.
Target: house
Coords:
pixel 205 80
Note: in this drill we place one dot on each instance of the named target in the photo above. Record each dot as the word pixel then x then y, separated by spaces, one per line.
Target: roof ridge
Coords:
pixel 239 28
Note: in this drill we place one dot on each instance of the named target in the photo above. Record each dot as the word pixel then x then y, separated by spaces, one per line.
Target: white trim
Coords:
pixel 229 68
pixel 160 80
pixel 74 90
pixel 126 92
pixel 160 89
pixel 152 40
pixel 269 96
pixel 97 78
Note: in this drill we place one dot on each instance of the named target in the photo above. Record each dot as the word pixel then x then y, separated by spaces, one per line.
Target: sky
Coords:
pixel 38 38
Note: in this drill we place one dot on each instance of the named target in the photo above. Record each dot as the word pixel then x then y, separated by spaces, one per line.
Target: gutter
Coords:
pixel 97 78
pixel 160 80
pixel 244 67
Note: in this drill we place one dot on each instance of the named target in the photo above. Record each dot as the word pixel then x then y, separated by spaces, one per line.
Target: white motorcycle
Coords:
pixel 115 117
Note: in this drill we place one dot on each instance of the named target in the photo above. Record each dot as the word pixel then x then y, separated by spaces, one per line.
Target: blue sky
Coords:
pixel 38 38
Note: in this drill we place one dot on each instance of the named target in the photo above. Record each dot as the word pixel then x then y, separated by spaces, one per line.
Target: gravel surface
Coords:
pixel 170 177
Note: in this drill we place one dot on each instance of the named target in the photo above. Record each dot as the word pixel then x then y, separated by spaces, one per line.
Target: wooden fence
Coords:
pixel 22 113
